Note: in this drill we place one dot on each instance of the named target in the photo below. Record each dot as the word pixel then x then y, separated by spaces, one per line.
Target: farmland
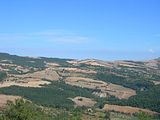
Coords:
pixel 89 87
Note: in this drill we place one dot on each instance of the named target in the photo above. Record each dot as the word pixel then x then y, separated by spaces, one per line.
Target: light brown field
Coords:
pixel 90 62
pixel 106 88
pixel 152 63
pixel 48 74
pixel 6 67
pixel 126 109
pixel 74 62
pixel 127 64
pixel 35 79
pixel 83 101
pixel 31 83
pixel 156 82
pixel 52 64
pixel 78 70
pixel 120 91
pixel 5 98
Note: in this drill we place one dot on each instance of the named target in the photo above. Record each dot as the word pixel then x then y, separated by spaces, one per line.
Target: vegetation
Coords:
pixel 23 110
pixel 143 116
pixel 56 94
pixel 107 116
pixel 148 95
pixel 3 75
pixel 32 62
pixel 23 61
pixel 147 99
pixel 135 84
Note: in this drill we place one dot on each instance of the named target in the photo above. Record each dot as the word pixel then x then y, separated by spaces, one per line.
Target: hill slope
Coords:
pixel 54 82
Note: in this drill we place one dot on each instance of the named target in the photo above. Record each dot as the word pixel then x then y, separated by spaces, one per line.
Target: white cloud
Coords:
pixel 151 51
pixel 58 36
pixel 69 39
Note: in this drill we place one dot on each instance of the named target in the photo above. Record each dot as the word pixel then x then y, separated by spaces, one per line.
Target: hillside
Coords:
pixel 90 85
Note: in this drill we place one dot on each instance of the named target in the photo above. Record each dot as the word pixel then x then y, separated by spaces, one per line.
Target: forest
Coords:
pixel 3 75
pixel 56 94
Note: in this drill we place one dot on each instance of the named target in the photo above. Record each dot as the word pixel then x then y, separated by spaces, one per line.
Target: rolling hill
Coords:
pixel 87 85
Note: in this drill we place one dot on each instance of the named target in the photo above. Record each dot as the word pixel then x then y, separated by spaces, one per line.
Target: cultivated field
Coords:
pixel 91 62
pixel 83 101
pixel 105 88
pixel 126 109
pixel 78 70
pixel 36 79
pixel 5 98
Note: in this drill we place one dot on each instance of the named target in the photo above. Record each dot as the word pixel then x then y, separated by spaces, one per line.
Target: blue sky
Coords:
pixel 100 29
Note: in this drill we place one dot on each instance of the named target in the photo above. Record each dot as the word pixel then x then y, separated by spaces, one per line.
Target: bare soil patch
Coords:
pixel 126 109
pixel 48 74
pixel 30 83
pixel 5 98
pixel 91 62
pixel 83 101
pixel 80 70
pixel 94 63
pixel 36 79
pixel 156 82
pixel 152 64
pixel 120 91
pixel 52 64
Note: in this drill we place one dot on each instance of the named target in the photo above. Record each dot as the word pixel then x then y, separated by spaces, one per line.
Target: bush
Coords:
pixel 23 110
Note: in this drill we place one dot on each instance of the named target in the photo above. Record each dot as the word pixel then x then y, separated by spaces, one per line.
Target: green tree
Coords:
pixel 143 116
pixel 23 110
pixel 107 116
pixel 76 114
pixel 3 75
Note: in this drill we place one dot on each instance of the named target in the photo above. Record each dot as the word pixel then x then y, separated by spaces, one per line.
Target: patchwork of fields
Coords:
pixel 93 85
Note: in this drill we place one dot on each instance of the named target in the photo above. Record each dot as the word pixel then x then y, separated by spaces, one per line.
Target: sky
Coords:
pixel 81 29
